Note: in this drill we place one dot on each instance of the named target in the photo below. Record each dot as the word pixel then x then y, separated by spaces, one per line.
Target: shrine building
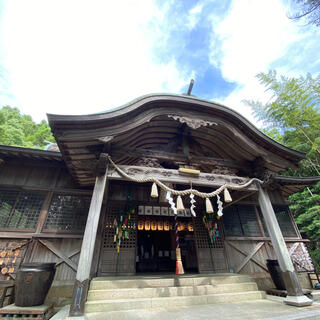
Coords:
pixel 131 185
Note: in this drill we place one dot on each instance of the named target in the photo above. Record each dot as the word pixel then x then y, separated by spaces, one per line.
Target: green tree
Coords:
pixel 305 206
pixel 17 129
pixel 292 117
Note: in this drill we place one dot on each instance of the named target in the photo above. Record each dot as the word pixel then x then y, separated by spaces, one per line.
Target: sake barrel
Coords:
pixel 32 283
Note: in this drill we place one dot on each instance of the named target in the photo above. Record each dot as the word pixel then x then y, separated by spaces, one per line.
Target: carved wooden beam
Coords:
pixel 96 167
pixel 173 176
pixel 170 156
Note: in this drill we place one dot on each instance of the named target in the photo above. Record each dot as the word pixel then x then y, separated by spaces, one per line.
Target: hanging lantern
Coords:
pixel 227 197
pixel 140 225
pixel 153 225
pixel 154 191
pixel 180 206
pixel 209 208
pixel 147 225
pixel 190 227
pixel 166 225
pixel 160 225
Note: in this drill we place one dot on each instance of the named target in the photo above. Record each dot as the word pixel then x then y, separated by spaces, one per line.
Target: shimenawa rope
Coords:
pixel 186 191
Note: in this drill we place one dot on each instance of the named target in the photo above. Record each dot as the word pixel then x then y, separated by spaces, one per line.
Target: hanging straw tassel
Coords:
pixel 209 208
pixel 154 191
pixel 227 197
pixel 179 266
pixel 180 206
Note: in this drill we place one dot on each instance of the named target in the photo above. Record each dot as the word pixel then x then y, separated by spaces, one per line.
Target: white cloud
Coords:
pixel 194 15
pixel 77 57
pixel 253 35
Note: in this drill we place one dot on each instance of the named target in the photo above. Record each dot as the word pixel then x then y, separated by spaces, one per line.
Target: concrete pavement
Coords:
pixel 267 309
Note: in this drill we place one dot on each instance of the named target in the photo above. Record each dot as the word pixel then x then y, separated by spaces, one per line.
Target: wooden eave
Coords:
pixel 149 121
pixel 291 185
pixel 28 153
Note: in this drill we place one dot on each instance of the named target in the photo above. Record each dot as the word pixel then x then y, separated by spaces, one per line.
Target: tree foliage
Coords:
pixel 305 206
pixel 17 129
pixel 308 10
pixel 292 117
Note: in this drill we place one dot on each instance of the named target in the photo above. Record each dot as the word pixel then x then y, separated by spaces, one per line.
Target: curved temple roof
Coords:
pixel 154 122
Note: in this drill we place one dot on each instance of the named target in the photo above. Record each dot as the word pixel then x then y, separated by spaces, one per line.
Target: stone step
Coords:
pixel 133 293
pixel 166 302
pixel 181 281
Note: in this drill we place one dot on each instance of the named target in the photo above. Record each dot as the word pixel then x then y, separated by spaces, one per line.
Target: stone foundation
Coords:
pixel 60 293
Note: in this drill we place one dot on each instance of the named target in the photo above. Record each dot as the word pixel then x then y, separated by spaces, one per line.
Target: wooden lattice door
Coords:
pixel 112 263
pixel 211 256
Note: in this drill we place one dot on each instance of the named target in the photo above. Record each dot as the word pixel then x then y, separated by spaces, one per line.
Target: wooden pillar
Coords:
pixel 295 295
pixel 82 281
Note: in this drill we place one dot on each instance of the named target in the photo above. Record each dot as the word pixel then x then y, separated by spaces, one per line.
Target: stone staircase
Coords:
pixel 111 294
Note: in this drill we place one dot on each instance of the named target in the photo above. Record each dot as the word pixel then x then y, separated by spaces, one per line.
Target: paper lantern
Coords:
pixel 166 225
pixel 140 225
pixel 147 225
pixel 160 225
pixel 181 226
pixel 190 227
pixel 153 225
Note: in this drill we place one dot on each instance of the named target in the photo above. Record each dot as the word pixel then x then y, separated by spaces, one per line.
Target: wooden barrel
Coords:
pixel 32 283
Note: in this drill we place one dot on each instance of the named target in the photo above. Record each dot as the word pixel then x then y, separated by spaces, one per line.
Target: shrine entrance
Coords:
pixel 155 252
pixel 156 245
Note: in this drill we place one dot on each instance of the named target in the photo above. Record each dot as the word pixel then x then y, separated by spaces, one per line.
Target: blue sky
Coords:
pixel 80 57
